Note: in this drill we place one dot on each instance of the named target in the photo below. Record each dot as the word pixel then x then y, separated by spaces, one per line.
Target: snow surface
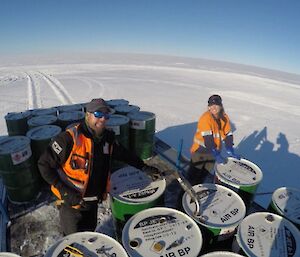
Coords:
pixel 263 104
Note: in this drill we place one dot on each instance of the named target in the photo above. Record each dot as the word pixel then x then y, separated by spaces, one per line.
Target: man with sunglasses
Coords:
pixel 77 165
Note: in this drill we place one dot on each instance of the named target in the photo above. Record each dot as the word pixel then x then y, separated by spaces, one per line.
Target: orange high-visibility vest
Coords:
pixel 77 169
pixel 207 126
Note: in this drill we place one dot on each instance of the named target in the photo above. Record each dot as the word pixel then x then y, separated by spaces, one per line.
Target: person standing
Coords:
pixel 213 127
pixel 77 165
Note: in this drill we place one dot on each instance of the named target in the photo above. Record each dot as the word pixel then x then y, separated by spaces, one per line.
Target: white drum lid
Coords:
pixel 161 232
pixel 43 132
pixel 132 185
pixel 17 115
pixel 89 244
pixel 221 254
pixel 141 116
pixel 8 254
pixel 42 120
pixel 220 207
pixel 267 234
pixel 13 144
pixel 70 116
pixel 287 202
pixel 239 172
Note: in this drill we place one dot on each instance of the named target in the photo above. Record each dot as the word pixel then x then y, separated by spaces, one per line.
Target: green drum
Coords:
pixel 18 170
pixel 45 111
pixel 86 244
pixel 142 130
pixel 241 176
pixel 286 202
pixel 41 137
pixel 125 109
pixel 16 123
pixel 162 232
pixel 221 211
pixel 66 118
pixel 120 125
pixel 70 108
pixel 267 234
pixel 116 102
pixel 41 120
pixel 132 191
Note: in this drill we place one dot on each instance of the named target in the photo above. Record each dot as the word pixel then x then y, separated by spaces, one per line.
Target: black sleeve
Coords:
pixel 209 142
pixel 54 156
pixel 120 153
pixel 229 141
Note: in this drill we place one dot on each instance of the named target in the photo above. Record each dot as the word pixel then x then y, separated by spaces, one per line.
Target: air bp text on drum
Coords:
pixel 179 252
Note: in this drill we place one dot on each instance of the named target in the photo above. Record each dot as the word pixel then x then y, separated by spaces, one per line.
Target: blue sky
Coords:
pixel 264 33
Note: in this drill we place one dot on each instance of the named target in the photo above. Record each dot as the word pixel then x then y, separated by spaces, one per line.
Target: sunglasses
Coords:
pixel 100 115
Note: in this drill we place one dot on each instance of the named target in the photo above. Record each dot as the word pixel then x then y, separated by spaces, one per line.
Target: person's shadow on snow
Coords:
pixel 279 166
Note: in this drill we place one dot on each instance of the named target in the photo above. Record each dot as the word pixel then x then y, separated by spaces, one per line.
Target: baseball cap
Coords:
pixel 97 105
pixel 214 99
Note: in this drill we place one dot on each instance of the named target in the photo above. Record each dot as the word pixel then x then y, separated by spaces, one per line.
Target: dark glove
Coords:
pixel 152 172
pixel 70 196
pixel 231 153
pixel 219 158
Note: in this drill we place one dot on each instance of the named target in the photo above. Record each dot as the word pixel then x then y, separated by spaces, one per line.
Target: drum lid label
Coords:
pixel 221 208
pixel 149 221
pixel 240 173
pixel 266 234
pixel 141 194
pixel 256 235
pixel 21 156
pixel 162 232
pixel 138 124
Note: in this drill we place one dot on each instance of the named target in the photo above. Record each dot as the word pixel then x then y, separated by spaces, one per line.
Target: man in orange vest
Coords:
pixel 77 165
pixel 213 128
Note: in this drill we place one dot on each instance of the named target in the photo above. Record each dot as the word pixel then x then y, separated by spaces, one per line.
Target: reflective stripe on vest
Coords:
pixel 229 133
pixel 197 141
pixel 206 133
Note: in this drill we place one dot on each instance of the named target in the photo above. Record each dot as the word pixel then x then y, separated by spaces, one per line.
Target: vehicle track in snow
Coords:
pixel 33 92
pixel 91 83
pixel 58 88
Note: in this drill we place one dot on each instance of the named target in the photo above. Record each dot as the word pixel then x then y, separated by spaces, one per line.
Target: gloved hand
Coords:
pixel 231 153
pixel 219 158
pixel 152 172
pixel 70 196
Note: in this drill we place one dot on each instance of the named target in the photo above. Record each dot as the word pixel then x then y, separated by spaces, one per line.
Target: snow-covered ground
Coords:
pixel 263 104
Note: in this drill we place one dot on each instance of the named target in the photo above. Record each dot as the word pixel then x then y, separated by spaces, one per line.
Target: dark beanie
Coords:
pixel 97 105
pixel 215 99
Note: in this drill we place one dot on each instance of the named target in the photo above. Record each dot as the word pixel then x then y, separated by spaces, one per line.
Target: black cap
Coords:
pixel 215 99
pixel 97 105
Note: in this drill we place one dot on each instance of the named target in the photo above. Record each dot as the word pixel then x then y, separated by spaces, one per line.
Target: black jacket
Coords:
pixel 54 157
